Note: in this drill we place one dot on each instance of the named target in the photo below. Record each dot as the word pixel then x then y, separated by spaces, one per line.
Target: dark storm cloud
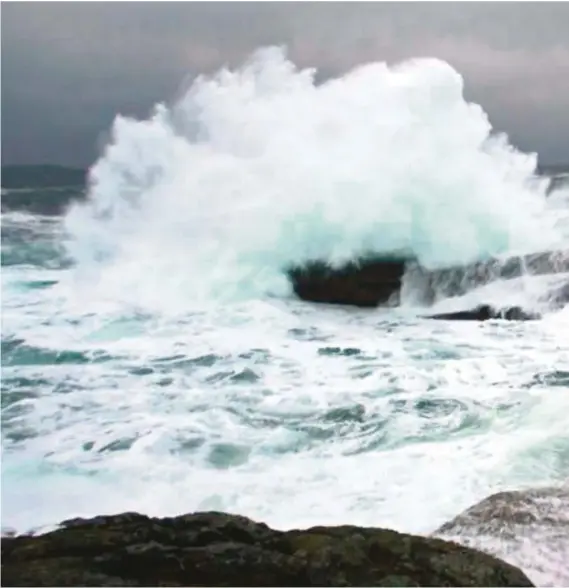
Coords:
pixel 67 68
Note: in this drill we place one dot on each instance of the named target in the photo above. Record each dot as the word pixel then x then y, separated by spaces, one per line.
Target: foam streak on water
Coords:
pixel 168 369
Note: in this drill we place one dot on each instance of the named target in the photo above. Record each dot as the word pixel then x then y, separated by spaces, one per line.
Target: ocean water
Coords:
pixel 155 359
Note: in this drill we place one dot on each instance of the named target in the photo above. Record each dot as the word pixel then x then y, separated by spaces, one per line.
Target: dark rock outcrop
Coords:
pixel 215 549
pixel 528 527
pixel 484 312
pixel 366 283
pixel 374 282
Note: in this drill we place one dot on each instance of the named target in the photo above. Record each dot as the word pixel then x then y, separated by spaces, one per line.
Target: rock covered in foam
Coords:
pixel 456 281
pixel 528 528
pixel 216 549
pixel 558 297
pixel 373 281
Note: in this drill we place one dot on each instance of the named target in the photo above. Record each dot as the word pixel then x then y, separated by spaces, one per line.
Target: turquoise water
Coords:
pixel 154 359
pixel 293 413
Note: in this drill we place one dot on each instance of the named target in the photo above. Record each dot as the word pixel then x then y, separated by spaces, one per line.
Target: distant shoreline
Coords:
pixel 41 189
pixel 41 176
pixel 554 169
pixel 47 175
pixel 49 189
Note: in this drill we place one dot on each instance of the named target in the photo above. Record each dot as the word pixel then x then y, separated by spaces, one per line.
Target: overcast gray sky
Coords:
pixel 68 68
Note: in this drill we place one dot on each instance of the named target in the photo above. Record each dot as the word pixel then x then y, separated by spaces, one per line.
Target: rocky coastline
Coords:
pixel 221 549
pixel 370 282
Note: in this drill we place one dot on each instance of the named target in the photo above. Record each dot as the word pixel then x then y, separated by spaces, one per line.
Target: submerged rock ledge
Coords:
pixel 217 549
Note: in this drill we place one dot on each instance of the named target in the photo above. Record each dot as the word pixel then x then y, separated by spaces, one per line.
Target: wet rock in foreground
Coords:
pixel 529 528
pixel 216 549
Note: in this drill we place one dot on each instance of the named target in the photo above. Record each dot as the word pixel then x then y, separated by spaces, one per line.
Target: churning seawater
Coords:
pixel 154 359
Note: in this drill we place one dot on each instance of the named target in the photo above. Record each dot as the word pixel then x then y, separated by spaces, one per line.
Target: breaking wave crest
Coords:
pixel 260 168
